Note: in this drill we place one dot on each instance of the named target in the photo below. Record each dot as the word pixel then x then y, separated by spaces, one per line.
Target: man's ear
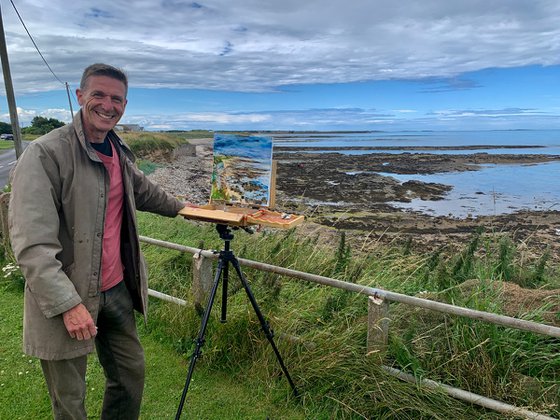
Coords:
pixel 79 96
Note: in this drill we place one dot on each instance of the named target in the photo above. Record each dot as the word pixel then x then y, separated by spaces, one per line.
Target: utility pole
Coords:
pixel 69 100
pixel 10 90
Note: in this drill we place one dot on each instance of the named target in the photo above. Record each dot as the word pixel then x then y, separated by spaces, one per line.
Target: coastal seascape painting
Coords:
pixel 242 169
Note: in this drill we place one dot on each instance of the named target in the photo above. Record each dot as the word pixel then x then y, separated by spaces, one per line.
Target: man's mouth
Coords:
pixel 104 115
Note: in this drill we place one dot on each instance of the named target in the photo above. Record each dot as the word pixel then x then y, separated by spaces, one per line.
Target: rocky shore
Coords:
pixel 347 192
pixel 187 174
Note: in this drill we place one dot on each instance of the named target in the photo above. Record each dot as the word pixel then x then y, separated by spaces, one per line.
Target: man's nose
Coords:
pixel 106 102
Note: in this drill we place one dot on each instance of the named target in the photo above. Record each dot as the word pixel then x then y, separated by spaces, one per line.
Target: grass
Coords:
pixel 148 143
pixel 192 134
pixel 213 394
pixel 152 147
pixel 147 166
pixel 238 375
pixel 328 361
pixel 6 144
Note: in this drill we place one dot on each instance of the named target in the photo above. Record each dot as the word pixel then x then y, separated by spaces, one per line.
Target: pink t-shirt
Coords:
pixel 111 264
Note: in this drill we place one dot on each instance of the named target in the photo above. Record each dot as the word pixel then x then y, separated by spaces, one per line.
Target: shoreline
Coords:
pixel 317 186
pixel 283 149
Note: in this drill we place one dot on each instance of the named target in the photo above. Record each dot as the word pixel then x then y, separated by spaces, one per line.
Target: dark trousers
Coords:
pixel 121 356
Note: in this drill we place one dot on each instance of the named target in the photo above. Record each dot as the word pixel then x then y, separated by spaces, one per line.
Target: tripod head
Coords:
pixel 225 231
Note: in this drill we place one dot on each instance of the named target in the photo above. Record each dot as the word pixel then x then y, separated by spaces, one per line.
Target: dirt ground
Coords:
pixel 518 301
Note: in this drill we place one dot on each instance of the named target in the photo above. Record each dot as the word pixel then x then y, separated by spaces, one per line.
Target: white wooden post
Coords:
pixel 378 325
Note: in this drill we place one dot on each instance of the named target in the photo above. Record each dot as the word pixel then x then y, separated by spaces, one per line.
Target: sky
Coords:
pixel 295 65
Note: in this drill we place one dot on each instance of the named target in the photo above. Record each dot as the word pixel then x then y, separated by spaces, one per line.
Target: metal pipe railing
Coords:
pixel 467 396
pixel 505 321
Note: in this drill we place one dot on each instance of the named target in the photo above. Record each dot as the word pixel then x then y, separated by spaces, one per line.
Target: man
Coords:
pixel 73 231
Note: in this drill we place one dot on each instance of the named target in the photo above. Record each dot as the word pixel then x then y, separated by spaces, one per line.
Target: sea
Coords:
pixel 493 190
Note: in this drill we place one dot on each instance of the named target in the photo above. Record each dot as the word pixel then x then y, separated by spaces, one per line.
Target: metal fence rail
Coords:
pixel 505 321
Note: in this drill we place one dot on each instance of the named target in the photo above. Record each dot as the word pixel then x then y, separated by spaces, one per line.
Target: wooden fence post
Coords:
pixel 202 280
pixel 378 325
pixel 4 205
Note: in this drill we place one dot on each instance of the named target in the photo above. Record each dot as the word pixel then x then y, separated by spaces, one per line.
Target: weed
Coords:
pixel 342 256
pixel 504 269
pixel 146 166
pixel 463 266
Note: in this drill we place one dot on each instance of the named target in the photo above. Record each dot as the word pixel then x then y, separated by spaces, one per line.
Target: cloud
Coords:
pixel 94 12
pixel 26 115
pixel 309 119
pixel 486 112
pixel 174 43
pixel 348 119
pixel 451 84
pixel 226 118
pixel 228 48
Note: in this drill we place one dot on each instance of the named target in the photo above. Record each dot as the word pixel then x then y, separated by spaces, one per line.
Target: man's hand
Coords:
pixel 79 323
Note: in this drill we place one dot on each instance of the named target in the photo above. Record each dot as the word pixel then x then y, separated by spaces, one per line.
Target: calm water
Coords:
pixel 495 189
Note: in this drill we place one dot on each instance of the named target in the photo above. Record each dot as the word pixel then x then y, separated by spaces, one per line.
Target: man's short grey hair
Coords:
pixel 100 69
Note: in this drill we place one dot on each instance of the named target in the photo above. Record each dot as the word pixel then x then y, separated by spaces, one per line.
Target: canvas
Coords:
pixel 243 184
pixel 242 170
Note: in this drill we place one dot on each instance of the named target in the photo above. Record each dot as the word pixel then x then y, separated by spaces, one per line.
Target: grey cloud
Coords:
pixel 228 48
pixel 98 13
pixel 189 44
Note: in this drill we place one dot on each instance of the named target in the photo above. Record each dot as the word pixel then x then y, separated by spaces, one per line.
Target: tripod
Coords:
pixel 226 258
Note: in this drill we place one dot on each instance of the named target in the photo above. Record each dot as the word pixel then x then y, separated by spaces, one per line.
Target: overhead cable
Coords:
pixel 33 41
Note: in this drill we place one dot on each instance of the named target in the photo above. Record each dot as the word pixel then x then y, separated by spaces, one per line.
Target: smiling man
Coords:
pixel 103 100
pixel 73 231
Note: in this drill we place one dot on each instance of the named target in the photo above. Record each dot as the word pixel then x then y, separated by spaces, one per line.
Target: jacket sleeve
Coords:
pixel 150 197
pixel 34 228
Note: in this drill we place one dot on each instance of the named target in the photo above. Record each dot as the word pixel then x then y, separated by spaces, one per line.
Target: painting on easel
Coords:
pixel 243 185
pixel 242 170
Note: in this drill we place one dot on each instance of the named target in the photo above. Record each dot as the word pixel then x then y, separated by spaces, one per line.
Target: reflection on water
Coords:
pixel 495 189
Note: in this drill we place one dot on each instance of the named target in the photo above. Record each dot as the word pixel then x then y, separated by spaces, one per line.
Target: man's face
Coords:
pixel 103 102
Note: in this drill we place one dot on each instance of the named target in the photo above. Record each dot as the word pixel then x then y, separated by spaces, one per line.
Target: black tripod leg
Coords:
pixel 200 338
pixel 225 281
pixel 264 324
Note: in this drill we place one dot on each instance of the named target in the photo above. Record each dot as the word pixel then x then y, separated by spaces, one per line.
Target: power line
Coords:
pixel 33 41
pixel 44 60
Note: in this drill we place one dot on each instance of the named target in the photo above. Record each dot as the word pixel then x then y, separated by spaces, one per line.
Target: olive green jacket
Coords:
pixel 56 219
